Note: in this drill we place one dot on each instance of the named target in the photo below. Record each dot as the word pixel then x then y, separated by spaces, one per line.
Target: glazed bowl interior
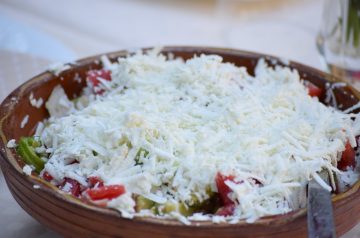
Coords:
pixel 69 216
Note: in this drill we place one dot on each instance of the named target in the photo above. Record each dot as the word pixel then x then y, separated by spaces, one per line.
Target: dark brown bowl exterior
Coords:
pixel 72 218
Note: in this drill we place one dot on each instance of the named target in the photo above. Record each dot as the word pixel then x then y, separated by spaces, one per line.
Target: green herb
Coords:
pixel 26 150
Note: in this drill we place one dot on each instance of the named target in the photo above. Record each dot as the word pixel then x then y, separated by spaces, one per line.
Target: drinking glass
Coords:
pixel 339 39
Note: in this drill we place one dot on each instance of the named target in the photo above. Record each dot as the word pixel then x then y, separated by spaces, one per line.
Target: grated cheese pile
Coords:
pixel 165 128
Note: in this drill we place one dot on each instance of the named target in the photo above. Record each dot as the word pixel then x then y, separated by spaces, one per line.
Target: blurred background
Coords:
pixel 65 30
pixel 34 34
pixel 40 32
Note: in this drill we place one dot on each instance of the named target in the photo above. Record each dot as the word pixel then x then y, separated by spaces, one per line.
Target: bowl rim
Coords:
pixel 7 156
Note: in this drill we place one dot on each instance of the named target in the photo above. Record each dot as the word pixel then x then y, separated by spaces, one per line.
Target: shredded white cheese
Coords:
pixel 352 108
pixel 27 169
pixel 165 128
pixel 218 219
pixel 77 78
pixel 57 68
pixel 58 103
pixel 24 121
pixel 35 102
pixel 125 204
pixel 11 143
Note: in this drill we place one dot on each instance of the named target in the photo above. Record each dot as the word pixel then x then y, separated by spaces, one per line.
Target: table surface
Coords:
pixel 286 28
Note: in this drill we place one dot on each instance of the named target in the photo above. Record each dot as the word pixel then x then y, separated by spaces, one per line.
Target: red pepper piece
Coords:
pixel 75 187
pixel 95 181
pixel 93 75
pixel 106 192
pixel 228 205
pixel 223 189
pixel 313 90
pixel 47 176
pixel 227 210
pixel 347 158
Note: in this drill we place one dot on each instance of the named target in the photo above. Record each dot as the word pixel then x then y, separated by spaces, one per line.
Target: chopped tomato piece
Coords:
pixel 223 189
pixel 92 78
pixel 95 181
pixel 227 210
pixel 106 192
pixel 347 158
pixel 314 91
pixel 74 186
pixel 47 176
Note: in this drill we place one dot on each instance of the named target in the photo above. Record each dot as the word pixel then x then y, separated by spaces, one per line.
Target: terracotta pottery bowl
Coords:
pixel 72 218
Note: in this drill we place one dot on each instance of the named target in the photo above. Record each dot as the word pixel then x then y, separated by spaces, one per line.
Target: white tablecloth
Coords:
pixel 285 28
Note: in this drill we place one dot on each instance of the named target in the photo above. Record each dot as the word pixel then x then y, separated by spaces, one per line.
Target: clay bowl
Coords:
pixel 70 217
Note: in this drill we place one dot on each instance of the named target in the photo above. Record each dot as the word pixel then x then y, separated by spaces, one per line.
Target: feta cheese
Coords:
pixel 11 143
pixel 27 169
pixel 165 128
pixel 24 121
pixel 35 102
pixel 36 186
pixel 59 104
pixel 57 68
